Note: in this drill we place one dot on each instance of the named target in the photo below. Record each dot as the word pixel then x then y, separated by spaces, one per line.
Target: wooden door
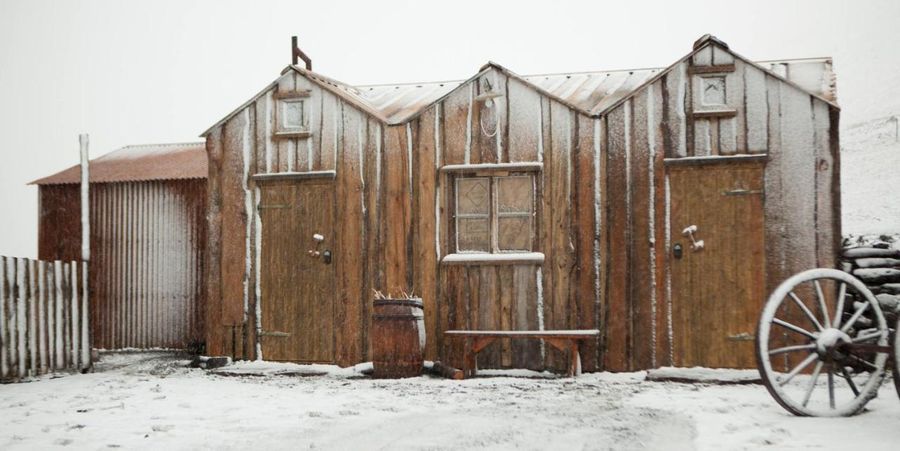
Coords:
pixel 717 290
pixel 297 278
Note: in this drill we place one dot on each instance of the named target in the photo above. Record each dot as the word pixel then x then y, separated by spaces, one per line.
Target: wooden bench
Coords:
pixel 565 340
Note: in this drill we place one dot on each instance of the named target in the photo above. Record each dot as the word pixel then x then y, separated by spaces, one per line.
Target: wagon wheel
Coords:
pixel 821 344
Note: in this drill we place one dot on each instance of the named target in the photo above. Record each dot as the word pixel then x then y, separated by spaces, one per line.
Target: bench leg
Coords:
pixel 469 358
pixel 574 359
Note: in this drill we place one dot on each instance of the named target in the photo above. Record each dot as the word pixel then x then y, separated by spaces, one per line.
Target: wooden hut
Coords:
pixel 560 201
pixel 148 242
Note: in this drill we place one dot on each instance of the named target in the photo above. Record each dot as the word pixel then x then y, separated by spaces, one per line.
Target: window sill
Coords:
pixel 292 134
pixel 516 258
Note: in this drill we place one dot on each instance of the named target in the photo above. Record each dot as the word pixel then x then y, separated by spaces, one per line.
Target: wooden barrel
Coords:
pixel 398 338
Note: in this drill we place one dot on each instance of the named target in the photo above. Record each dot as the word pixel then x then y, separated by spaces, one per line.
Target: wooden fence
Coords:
pixel 44 326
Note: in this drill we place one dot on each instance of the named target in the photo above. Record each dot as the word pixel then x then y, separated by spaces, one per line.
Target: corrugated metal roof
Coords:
pixel 591 92
pixel 140 163
pixel 815 75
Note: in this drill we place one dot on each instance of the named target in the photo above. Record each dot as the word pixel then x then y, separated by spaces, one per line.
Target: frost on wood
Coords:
pixel 40 331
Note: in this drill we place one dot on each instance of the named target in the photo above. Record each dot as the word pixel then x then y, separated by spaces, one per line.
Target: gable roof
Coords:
pixel 589 92
pixel 140 163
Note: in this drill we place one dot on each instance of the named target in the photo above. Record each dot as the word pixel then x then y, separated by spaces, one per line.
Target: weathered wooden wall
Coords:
pixel 797 133
pixel 148 246
pixel 600 211
pixel 43 318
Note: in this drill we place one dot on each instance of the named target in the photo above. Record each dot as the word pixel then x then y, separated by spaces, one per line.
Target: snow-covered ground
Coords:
pixel 870 178
pixel 150 401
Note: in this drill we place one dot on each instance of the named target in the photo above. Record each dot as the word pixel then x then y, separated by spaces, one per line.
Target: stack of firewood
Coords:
pixel 878 266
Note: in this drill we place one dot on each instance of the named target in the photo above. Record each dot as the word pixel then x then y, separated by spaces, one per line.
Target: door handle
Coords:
pixel 696 244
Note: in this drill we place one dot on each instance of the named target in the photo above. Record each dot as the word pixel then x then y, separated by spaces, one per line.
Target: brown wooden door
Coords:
pixel 717 291
pixel 297 305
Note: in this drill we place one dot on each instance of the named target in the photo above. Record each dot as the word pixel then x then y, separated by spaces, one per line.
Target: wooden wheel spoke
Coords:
pixel 838 315
pixel 855 317
pixel 792 349
pixel 812 383
pixel 849 380
pixel 868 336
pixel 806 310
pixel 797 369
pixel 822 307
pixel 793 328
pixel 830 387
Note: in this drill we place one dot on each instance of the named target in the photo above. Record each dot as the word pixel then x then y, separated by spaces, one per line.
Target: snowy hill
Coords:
pixel 870 178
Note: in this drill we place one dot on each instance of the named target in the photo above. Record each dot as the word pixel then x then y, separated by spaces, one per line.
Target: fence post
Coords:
pixel 4 341
pixel 83 141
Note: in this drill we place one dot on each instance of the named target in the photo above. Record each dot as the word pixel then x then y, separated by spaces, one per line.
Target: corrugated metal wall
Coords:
pixel 148 242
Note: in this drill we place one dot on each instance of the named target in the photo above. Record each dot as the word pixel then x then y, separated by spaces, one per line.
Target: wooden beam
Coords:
pixel 714 69
pixel 282 176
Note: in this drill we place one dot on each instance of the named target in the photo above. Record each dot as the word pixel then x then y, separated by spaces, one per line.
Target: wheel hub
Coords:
pixel 829 340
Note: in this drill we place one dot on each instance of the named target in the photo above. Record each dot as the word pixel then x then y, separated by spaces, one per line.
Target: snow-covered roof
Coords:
pixel 591 92
pixel 140 163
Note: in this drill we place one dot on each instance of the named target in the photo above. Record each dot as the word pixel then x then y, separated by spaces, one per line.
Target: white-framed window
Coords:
pixel 292 115
pixel 713 88
pixel 494 214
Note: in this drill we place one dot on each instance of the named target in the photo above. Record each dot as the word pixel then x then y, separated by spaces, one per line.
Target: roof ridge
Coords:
pixel 179 144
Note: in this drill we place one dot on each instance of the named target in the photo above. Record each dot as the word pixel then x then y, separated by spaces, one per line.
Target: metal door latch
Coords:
pixel 696 245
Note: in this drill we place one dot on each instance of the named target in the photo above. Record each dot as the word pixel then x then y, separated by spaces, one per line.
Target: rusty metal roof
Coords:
pixel 140 163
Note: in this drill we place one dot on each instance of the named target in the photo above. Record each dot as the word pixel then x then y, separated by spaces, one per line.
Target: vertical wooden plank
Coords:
pixel 775 212
pixel 21 318
pixel 674 95
pixel 824 189
pixel 396 213
pixel 544 220
pixel 33 365
pixel 728 135
pixel 330 112
pixel 426 242
pixel 659 246
pixel 563 131
pixel 524 122
pixel 455 110
pixel 486 313
pixel 505 289
pixel 348 266
pixel 583 229
pixel 486 120
pixel 702 138
pixel 85 315
pixel 732 131
pixel 755 107
pixel 798 178
pixel 4 326
pixel 526 353
pixel 12 316
pixel 59 276
pixel 639 274
pixel 75 315
pixel 617 314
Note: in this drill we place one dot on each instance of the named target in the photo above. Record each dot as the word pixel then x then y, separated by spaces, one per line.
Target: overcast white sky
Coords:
pixel 135 72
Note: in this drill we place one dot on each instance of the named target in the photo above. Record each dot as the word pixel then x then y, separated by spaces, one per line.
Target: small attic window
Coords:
pixel 292 114
pixel 713 91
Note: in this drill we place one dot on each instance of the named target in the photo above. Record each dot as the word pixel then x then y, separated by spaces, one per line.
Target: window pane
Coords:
pixel 473 196
pixel 514 233
pixel 473 234
pixel 514 194
pixel 292 114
